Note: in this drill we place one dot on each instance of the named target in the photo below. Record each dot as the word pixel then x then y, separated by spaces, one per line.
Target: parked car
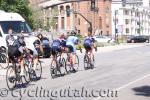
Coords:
pixel 103 39
pixel 18 25
pixel 138 39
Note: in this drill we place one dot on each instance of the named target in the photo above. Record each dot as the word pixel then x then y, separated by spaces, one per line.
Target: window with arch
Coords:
pixel 61 9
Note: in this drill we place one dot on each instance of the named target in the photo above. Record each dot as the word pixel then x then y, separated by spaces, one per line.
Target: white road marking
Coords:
pixel 126 85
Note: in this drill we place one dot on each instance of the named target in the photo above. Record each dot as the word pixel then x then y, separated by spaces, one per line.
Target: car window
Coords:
pixel 0 34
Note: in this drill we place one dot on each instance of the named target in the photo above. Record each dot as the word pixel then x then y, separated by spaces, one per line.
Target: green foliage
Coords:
pixel 99 44
pixel 18 6
pixel 53 20
pixel 80 37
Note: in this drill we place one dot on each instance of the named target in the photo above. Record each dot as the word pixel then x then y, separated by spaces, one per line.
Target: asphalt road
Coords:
pixel 118 75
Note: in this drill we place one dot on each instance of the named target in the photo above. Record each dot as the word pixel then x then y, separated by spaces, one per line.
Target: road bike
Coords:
pixel 4 61
pixel 13 77
pixel 88 61
pixel 57 65
pixel 34 74
pixel 69 66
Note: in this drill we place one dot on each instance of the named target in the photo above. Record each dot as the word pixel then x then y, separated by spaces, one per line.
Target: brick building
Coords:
pixel 100 17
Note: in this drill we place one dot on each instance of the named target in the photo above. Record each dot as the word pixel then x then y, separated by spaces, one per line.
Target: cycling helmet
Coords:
pixel 73 33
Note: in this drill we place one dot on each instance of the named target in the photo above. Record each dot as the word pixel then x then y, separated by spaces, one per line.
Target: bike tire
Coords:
pixel 76 66
pixel 27 74
pixel 10 79
pixel 38 71
pixel 62 66
pixel 67 65
pixel 4 61
pixel 53 70
pixel 86 62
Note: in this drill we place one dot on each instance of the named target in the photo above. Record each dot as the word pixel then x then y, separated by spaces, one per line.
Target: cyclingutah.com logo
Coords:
pixel 57 94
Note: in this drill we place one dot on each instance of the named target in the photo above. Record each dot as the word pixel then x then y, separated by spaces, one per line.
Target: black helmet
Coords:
pixel 21 36
pixel 73 33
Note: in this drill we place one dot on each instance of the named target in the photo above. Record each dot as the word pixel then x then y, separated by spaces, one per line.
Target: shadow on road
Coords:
pixel 142 91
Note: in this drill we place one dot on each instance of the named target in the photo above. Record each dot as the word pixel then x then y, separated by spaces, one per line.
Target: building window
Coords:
pixel 127 30
pixel 100 22
pixel 68 10
pixel 78 31
pixel 61 9
pixel 107 10
pixel 75 15
pixel 126 12
pixel 126 21
pixel 78 21
pixel 62 22
pixel 107 33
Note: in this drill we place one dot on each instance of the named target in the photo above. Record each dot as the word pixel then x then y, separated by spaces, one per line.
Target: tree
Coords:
pixel 18 6
pixel 53 17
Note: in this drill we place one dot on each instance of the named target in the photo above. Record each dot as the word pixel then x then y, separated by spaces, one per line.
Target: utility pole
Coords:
pixel 116 31
pixel 90 29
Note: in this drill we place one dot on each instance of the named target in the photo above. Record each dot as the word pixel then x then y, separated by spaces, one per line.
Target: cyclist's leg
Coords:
pixel 35 58
pixel 73 54
pixel 91 52
pixel 22 66
pixel 54 52
pixel 19 54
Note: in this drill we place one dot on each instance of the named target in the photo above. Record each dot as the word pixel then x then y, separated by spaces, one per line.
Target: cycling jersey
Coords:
pixel 10 40
pixel 56 46
pixel 89 41
pixel 72 41
pixel 56 43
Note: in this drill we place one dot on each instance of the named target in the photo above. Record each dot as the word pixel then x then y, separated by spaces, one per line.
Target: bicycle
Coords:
pixel 34 74
pixel 13 77
pixel 69 66
pixel 57 63
pixel 88 61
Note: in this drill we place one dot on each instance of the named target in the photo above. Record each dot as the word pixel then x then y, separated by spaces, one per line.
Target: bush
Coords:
pixel 98 44
pixel 78 47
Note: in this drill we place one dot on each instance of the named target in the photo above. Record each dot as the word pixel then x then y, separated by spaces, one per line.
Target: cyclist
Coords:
pixel 63 39
pixel 10 38
pixel 41 38
pixel 71 43
pixel 56 47
pixel 89 44
pixel 16 49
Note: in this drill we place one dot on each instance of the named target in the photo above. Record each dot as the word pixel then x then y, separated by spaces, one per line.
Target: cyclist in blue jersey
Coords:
pixel 71 43
pixel 89 45
pixel 56 47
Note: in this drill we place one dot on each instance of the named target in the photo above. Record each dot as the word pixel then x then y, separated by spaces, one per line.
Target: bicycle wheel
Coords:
pixel 27 74
pixel 93 63
pixel 4 62
pixel 3 50
pixel 62 66
pixel 86 62
pixel 76 65
pixel 67 65
pixel 53 70
pixel 38 70
pixel 11 78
